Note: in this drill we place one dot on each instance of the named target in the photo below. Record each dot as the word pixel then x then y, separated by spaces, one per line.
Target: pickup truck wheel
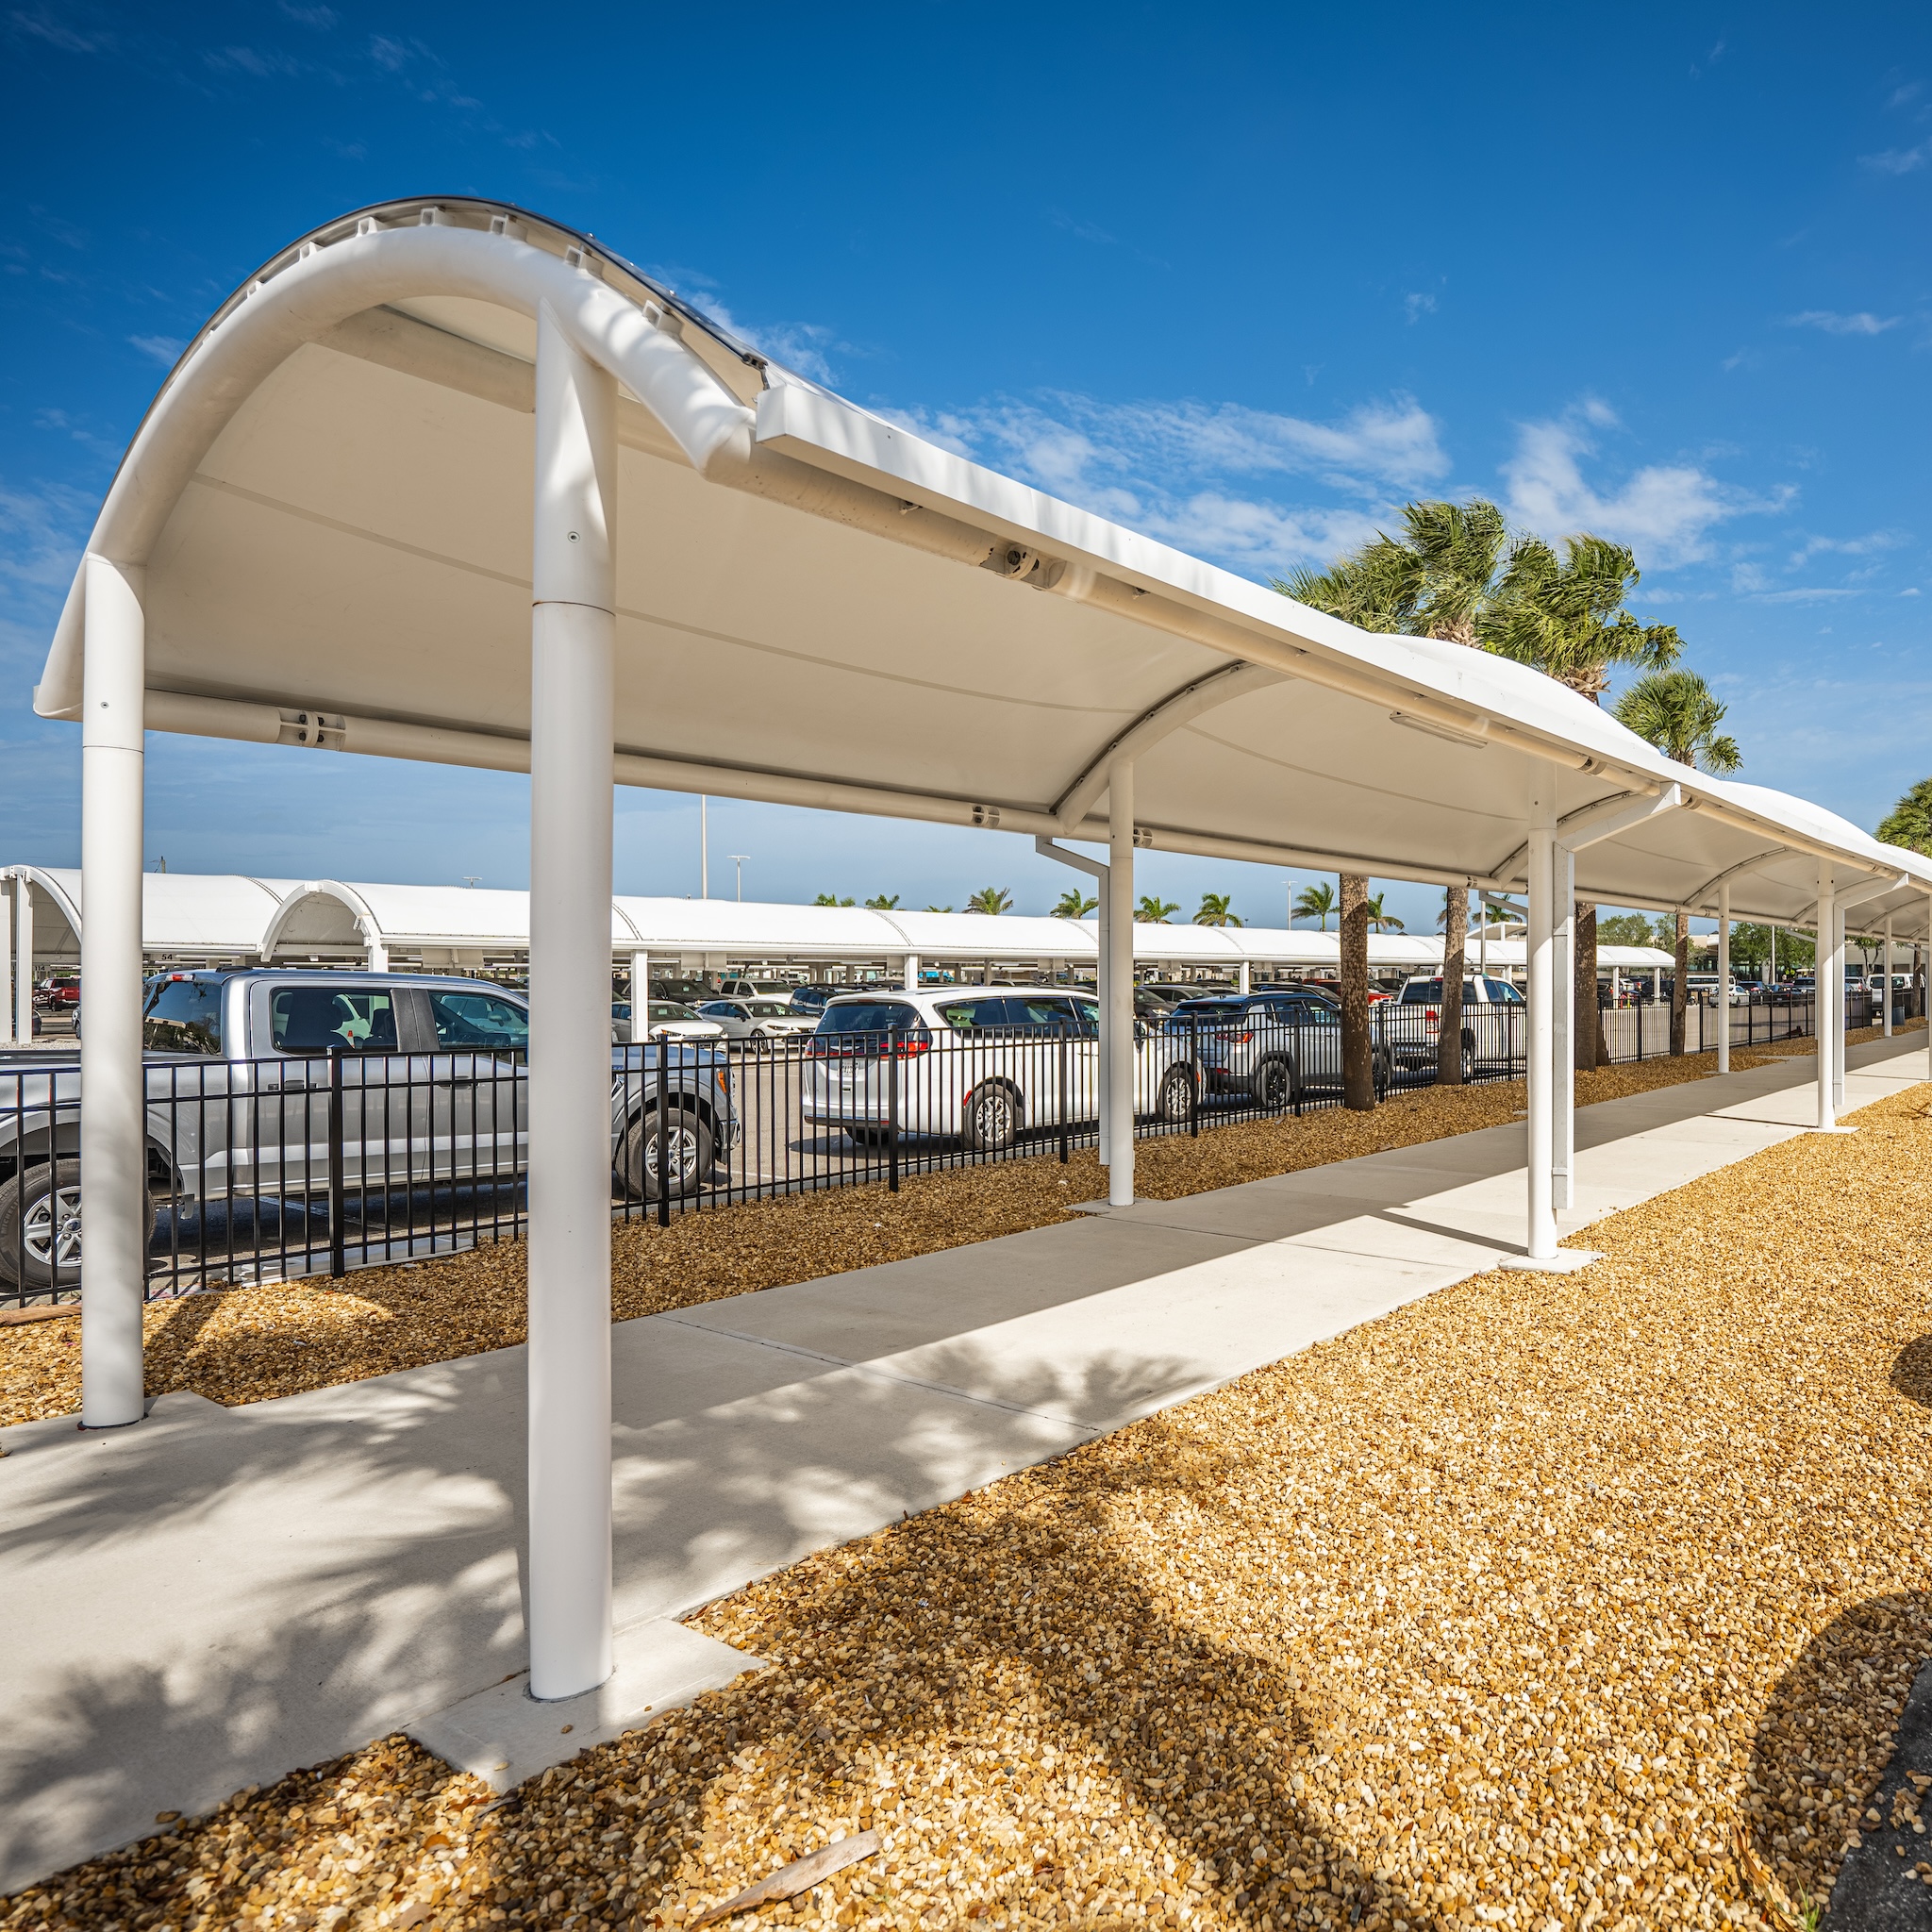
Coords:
pixel 993 1118
pixel 40 1227
pixel 689 1143
pixel 1176 1103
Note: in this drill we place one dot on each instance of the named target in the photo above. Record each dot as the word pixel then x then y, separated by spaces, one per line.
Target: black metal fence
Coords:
pixel 273 1168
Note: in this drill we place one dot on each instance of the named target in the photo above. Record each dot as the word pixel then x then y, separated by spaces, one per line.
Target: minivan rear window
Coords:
pixel 871 1016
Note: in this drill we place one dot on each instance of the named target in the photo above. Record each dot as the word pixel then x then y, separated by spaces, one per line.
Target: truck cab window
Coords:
pixel 183 1016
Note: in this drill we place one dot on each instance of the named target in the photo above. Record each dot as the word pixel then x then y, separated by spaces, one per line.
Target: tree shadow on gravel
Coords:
pixel 1011 1622
pixel 1912 1374
pixel 1821 1745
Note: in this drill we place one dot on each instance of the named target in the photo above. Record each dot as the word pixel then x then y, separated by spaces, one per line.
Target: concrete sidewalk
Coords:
pixel 216 1596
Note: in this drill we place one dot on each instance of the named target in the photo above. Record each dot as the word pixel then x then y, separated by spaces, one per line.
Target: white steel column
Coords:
pixel 1563 1028
pixel 9 888
pixel 640 997
pixel 1885 979
pixel 1838 1010
pixel 572 634
pixel 24 957
pixel 1119 1009
pixel 911 972
pixel 1724 977
pixel 1820 999
pixel 113 1113
pixel 1247 978
pixel 1538 956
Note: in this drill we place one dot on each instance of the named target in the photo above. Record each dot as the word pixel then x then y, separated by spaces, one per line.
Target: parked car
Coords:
pixel 1271 1046
pixel 758 1019
pixel 667 1019
pixel 811 998
pixel 755 988
pixel 435 1088
pixel 58 993
pixel 981 1063
pixel 1495 1032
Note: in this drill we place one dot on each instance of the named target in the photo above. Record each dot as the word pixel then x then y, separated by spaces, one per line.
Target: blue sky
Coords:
pixel 1245 277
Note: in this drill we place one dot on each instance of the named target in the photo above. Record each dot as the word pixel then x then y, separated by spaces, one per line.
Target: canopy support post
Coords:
pixel 640 997
pixel 9 889
pixel 1885 981
pixel 1563 1028
pixel 1118 1012
pixel 113 1110
pixel 911 972
pixel 24 958
pixel 1724 977
pixel 1821 1001
pixel 1548 867
pixel 1838 1008
pixel 573 635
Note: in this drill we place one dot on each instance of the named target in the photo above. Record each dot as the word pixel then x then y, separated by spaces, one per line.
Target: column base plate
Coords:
pixel 1564 1262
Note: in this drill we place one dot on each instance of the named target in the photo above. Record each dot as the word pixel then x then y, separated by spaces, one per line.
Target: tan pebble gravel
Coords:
pixel 1582 1602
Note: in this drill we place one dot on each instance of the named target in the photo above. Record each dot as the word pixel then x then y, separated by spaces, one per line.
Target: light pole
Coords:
pixel 737 860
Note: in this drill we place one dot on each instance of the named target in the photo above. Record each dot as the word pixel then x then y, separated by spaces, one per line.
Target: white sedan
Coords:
pixel 758 1019
pixel 667 1019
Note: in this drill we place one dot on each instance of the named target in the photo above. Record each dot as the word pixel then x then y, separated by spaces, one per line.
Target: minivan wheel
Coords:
pixel 688 1141
pixel 993 1119
pixel 868 1137
pixel 40 1227
pixel 1177 1096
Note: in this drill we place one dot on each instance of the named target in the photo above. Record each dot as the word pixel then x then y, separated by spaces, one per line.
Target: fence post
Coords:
pixel 1066 1138
pixel 337 1260
pixel 663 1134
pixel 1194 1075
pixel 892 1113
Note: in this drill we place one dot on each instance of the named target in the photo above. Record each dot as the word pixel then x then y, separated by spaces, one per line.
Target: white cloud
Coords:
pixel 40 535
pixel 1900 161
pixel 1415 307
pixel 1847 546
pixel 162 349
pixel 1664 511
pixel 1863 324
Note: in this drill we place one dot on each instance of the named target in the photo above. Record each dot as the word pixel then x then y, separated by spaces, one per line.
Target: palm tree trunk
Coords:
pixel 1593 1049
pixel 1455 945
pixel 1357 1054
pixel 1680 985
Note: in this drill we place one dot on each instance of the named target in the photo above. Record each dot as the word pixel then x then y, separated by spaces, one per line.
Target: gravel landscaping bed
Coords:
pixel 1582 1602
pixel 278 1339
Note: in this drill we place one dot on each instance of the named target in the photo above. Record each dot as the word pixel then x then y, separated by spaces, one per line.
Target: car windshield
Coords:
pixel 670 1009
pixel 770 1009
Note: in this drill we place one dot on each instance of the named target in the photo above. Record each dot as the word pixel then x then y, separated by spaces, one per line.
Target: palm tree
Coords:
pixel 1565 617
pixel 939 908
pixel 1073 904
pixel 882 903
pixel 1316 903
pixel 1153 910
pixel 992 899
pixel 1454 919
pixel 1214 910
pixel 1678 713
pixel 1909 821
pixel 831 899
pixel 1438 580
pixel 1380 921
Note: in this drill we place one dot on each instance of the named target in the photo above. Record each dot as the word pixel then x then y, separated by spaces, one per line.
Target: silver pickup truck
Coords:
pixel 434 1090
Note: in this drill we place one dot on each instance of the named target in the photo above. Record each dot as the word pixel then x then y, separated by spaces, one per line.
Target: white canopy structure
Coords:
pixel 190 919
pixel 447 481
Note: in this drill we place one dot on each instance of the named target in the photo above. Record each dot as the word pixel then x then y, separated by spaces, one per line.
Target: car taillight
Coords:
pixel 1432 1012
pixel 1247 1035
pixel 906 1049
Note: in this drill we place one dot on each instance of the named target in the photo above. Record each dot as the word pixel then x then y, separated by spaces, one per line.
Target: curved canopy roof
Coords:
pixel 330 498
pixel 226 916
